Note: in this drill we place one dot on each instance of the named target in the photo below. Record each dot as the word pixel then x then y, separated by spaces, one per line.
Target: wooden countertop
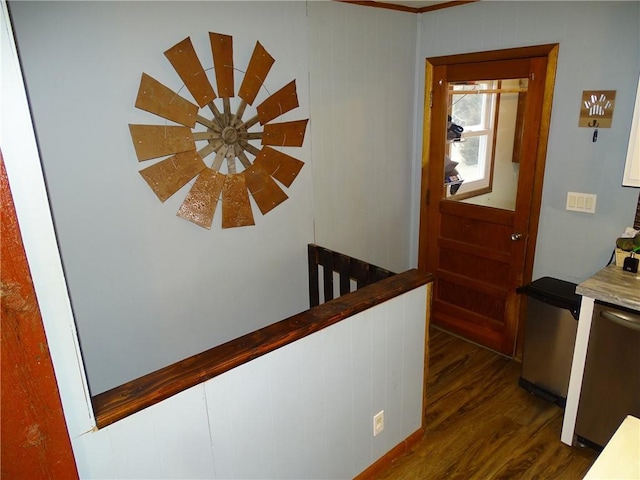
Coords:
pixel 613 285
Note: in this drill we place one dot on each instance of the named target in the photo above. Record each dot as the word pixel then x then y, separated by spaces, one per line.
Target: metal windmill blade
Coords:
pixel 154 141
pixel 259 66
pixel 171 174
pixel 155 98
pixel 185 61
pixel 285 134
pixel 280 166
pixel 201 201
pixel 222 53
pixel 279 103
pixel 236 208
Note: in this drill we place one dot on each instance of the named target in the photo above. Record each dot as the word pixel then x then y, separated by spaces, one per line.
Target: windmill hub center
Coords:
pixel 230 135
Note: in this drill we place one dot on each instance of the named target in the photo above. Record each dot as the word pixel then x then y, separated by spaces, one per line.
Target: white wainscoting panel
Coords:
pixel 304 411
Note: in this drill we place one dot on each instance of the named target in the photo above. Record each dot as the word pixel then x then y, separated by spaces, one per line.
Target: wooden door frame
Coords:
pixel 35 439
pixel 548 52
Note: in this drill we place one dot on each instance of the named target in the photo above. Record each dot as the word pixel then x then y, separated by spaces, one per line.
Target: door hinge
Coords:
pixel 431 99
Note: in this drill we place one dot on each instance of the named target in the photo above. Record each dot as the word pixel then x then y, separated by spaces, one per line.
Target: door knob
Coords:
pixel 516 236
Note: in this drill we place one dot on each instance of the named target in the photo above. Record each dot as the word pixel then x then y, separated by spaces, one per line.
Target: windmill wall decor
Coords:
pixel 205 130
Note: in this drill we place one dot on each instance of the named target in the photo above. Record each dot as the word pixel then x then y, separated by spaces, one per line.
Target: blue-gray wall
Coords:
pixel 599 50
pixel 148 288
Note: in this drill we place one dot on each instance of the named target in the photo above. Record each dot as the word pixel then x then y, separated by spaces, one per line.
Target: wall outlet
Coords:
pixel 378 422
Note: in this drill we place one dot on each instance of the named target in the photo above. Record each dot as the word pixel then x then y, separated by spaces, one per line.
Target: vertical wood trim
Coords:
pixel 525 213
pixel 536 200
pixel 35 442
pixel 312 259
pixel 494 139
pixel 517 141
pixel 360 271
pixel 436 152
pixel 325 259
pixel 341 262
pixel 425 398
pixel 424 185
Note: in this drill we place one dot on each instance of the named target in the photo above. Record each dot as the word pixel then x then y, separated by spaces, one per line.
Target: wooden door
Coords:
pixel 479 247
pixel 35 442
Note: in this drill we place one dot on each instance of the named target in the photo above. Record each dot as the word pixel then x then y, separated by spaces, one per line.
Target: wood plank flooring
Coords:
pixel 482 425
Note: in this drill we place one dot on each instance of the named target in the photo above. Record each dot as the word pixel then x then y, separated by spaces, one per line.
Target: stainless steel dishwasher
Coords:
pixel 611 382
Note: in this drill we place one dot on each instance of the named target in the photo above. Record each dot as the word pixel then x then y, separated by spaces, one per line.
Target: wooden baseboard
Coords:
pixel 384 462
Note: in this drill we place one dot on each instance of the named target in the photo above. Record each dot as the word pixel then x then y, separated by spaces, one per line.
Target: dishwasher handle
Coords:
pixel 621 319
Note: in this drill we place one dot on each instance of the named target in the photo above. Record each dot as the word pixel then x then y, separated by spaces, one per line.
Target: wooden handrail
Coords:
pixel 133 396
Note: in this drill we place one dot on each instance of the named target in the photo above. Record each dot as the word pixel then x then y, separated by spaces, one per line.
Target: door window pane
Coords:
pixel 470 157
pixel 485 160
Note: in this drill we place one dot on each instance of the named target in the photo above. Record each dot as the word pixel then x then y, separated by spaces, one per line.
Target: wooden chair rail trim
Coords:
pixel 143 392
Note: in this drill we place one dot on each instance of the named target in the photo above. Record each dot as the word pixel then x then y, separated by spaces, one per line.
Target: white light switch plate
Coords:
pixel 581 202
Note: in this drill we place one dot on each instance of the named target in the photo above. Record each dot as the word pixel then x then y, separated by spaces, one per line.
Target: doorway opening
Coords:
pixel 485 137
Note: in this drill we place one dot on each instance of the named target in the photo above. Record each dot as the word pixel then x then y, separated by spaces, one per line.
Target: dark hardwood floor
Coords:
pixel 482 425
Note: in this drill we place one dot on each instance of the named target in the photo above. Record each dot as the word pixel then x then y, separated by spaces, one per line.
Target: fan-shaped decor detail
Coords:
pixel 212 144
